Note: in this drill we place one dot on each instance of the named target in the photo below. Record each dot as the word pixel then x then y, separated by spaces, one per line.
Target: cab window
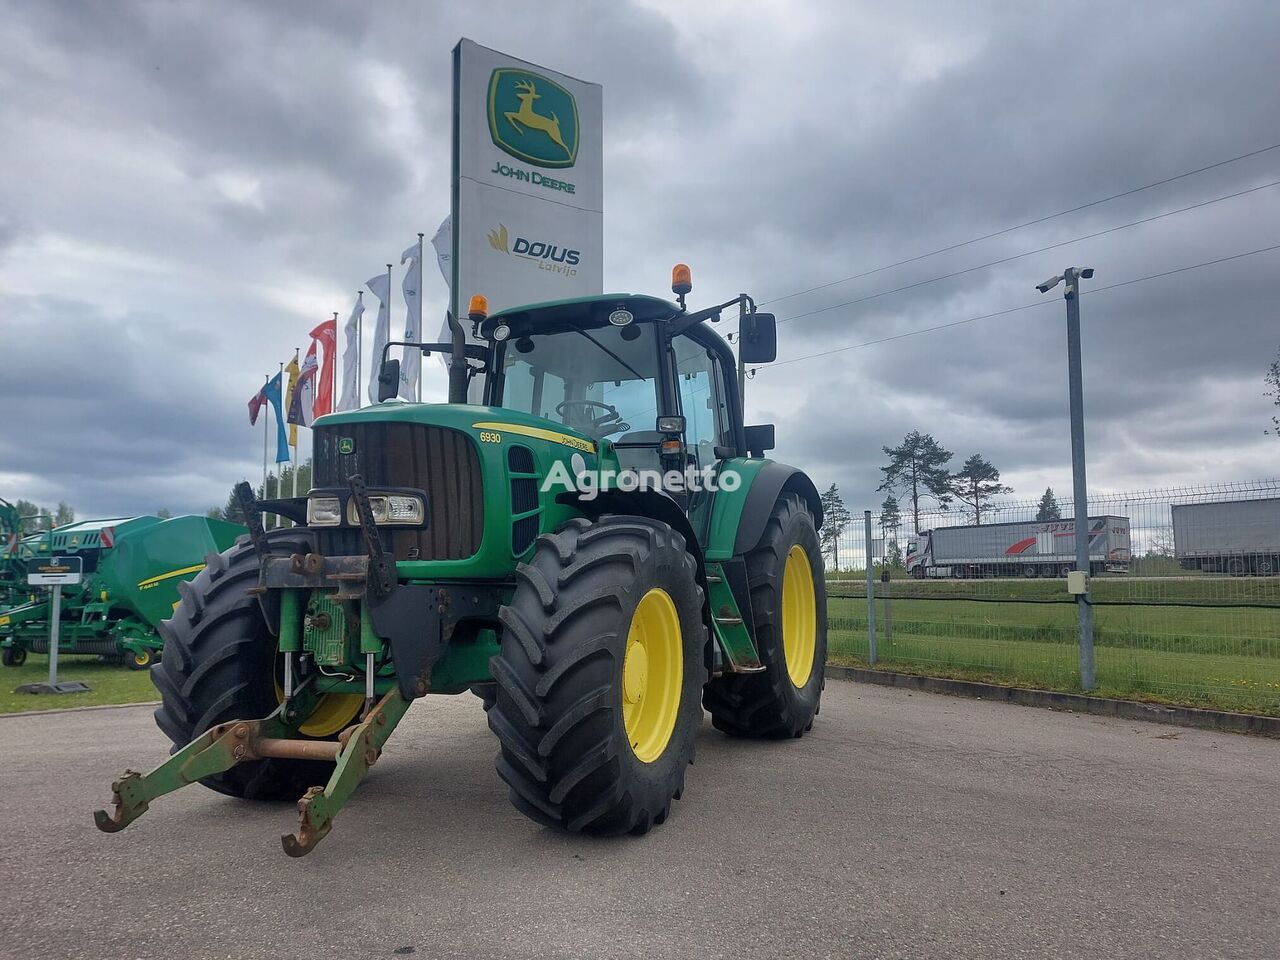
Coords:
pixel 702 390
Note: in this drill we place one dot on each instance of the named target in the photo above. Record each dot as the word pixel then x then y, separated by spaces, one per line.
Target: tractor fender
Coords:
pixel 772 481
pixel 644 503
pixel 657 506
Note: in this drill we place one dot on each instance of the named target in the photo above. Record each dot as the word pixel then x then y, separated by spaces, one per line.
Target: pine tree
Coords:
pixel 890 523
pixel 1049 509
pixel 975 482
pixel 835 518
pixel 918 468
pixel 1272 380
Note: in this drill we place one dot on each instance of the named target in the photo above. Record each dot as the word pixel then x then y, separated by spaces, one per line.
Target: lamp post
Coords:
pixel 1079 583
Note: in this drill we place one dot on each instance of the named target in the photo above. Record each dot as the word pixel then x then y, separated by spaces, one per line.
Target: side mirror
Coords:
pixel 759 437
pixel 388 379
pixel 758 338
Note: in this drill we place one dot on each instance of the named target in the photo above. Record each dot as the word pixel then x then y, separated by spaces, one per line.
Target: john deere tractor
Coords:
pixel 599 550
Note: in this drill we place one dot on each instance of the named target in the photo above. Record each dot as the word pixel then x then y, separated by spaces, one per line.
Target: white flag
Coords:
pixel 302 402
pixel 350 398
pixel 380 287
pixel 443 244
pixel 412 288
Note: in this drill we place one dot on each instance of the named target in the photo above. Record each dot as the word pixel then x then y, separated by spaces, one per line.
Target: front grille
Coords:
pixel 524 494
pixel 523 533
pixel 442 462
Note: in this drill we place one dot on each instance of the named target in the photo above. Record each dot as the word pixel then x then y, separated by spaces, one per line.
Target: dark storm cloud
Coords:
pixel 192 186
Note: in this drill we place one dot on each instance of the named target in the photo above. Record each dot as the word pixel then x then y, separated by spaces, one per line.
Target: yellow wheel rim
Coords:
pixel 142 658
pixel 652 675
pixel 332 714
pixel 799 616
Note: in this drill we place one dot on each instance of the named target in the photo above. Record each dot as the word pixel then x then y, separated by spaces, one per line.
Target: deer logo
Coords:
pixel 533 118
pixel 526 117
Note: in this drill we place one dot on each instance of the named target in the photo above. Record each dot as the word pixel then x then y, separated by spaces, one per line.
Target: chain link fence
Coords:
pixel 1185 591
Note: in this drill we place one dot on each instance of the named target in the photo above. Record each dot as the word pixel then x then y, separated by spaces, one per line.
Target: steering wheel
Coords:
pixel 598 426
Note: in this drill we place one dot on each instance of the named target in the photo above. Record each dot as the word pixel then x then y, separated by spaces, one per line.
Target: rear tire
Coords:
pixel 219 665
pixel 775 704
pixel 14 656
pixel 595 736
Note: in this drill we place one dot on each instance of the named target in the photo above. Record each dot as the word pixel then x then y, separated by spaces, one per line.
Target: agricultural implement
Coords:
pixel 132 570
pixel 599 551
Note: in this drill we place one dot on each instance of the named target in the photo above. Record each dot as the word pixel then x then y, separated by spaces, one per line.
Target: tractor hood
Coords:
pixel 478 422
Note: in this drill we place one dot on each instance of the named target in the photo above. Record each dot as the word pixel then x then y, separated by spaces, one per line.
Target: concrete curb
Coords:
pixel 1221 720
pixel 99 706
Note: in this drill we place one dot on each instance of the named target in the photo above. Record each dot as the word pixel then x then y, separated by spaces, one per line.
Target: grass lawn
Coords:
pixel 108 683
pixel 1224 657
pixel 1221 657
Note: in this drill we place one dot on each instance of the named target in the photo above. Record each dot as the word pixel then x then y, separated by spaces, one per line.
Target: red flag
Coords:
pixel 327 334
pixel 255 406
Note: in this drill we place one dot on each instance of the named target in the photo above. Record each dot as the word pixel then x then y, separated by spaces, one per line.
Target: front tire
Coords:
pixel 789 606
pixel 601 664
pixel 14 656
pixel 219 665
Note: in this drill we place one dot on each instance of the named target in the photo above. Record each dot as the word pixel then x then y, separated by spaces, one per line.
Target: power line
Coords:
pixel 1025 306
pixel 1028 253
pixel 1028 223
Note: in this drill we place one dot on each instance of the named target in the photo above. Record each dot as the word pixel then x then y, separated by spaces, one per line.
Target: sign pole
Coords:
pixel 54 618
pixel 53 572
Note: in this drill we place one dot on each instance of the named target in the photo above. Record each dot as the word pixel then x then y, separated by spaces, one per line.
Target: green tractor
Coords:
pixel 132 567
pixel 599 550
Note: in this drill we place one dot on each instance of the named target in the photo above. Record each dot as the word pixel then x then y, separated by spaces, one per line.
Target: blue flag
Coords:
pixel 272 392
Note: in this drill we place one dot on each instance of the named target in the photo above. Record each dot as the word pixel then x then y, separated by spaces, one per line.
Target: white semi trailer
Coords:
pixel 1024 549
pixel 1239 537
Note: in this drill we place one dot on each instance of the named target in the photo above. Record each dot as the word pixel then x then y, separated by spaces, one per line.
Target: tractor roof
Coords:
pixel 558 315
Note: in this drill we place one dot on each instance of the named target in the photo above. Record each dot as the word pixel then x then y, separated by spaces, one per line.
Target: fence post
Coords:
pixel 871 591
pixel 888 605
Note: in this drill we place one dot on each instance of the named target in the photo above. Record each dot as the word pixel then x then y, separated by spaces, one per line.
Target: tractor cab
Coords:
pixel 620 368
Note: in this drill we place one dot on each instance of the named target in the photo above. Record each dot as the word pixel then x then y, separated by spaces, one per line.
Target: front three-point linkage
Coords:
pixel 225 745
pixel 222 747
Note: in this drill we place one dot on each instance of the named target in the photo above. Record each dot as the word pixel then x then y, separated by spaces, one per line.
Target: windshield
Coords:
pixel 601 381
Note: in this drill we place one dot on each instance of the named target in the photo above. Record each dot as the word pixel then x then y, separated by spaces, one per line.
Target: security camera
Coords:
pixel 1048 284
pixel 1087 273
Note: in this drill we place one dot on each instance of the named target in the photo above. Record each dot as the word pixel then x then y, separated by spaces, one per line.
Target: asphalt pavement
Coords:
pixel 904 825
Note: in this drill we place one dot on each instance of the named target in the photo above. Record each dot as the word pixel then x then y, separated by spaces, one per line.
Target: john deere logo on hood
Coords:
pixel 532 118
pixel 346 445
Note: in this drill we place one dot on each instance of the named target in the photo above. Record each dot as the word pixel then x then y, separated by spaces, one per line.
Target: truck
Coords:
pixel 1239 537
pixel 1037 548
pixel 132 569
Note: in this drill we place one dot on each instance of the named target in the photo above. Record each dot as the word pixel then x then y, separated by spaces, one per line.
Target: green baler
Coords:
pixel 132 568
pixel 522 549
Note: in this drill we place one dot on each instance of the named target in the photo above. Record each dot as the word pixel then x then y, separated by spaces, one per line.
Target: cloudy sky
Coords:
pixel 186 188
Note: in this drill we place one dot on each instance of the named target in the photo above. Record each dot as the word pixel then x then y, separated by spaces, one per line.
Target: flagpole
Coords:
pixel 359 349
pixel 420 337
pixel 294 456
pixel 279 479
pixel 332 349
pixel 265 418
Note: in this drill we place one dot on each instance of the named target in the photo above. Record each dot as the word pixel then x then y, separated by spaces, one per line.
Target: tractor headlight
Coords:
pixel 390 510
pixel 324 512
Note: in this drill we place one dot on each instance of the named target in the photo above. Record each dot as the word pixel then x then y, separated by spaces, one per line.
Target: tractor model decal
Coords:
pixel 577 443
